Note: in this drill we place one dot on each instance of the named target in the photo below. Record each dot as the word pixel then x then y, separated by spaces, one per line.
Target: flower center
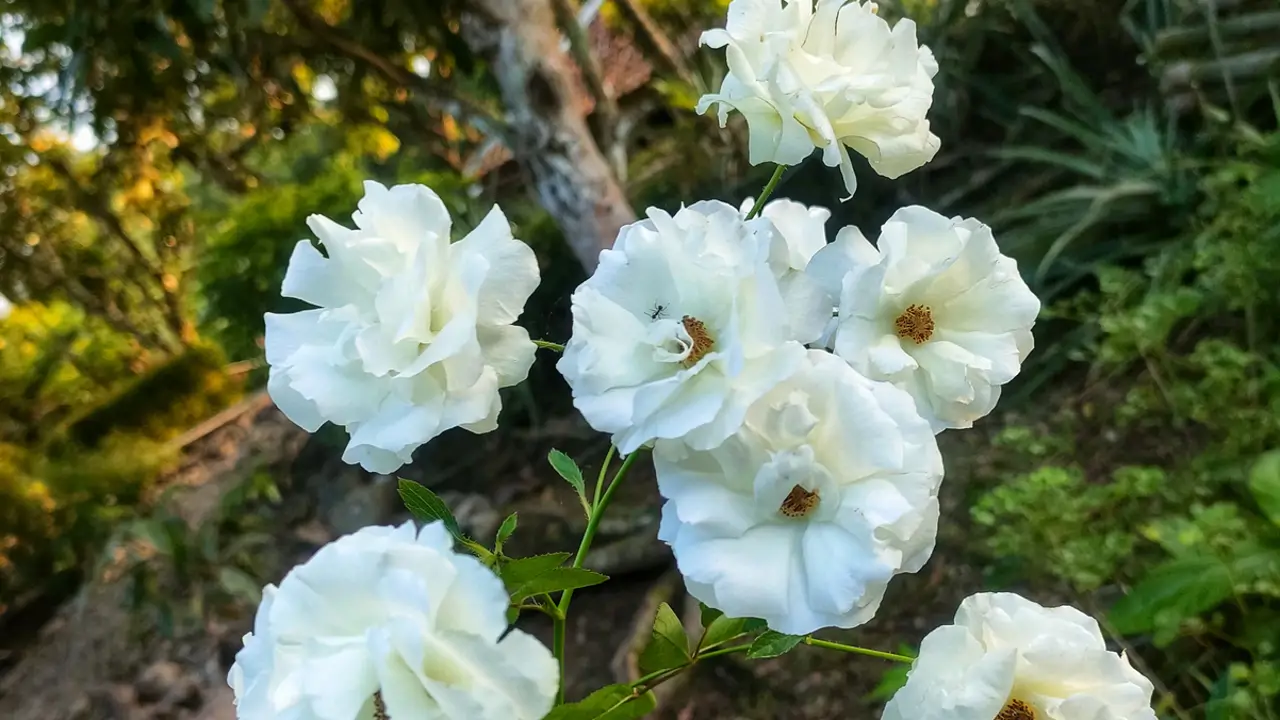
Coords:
pixel 799 503
pixel 701 339
pixel 1016 710
pixel 915 324
pixel 379 707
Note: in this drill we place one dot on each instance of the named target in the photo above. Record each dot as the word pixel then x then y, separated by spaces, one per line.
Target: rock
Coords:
pixel 158 681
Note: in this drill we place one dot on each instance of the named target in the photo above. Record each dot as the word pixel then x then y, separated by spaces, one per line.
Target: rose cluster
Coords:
pixel 790 390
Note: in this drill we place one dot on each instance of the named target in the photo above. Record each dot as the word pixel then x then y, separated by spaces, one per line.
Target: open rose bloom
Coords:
pixel 934 308
pixel 683 325
pixel 1007 658
pixel 411 335
pixel 833 76
pixel 803 516
pixel 390 622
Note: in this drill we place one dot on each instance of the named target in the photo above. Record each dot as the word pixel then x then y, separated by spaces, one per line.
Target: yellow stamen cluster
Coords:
pixel 915 324
pixel 701 339
pixel 1016 710
pixel 798 503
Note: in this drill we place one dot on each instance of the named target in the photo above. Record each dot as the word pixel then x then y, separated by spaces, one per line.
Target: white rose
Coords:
pixel 937 310
pixel 1010 659
pixel 802 517
pixel 682 327
pixel 390 622
pixel 6 307
pixel 412 335
pixel 834 77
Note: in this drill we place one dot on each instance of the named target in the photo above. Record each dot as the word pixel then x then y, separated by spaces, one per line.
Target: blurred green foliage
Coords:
pixel 1159 474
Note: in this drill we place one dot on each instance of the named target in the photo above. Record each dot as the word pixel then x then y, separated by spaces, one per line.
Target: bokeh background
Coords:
pixel 159 160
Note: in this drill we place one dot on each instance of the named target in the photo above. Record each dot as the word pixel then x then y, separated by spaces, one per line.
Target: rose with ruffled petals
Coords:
pixel 412 334
pixel 1011 659
pixel 935 309
pixel 682 326
pixel 803 516
pixel 833 76
pixel 391 622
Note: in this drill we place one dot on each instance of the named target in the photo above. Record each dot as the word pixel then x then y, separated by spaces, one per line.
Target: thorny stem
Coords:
pixel 593 523
pixel 857 650
pixel 768 190
pixel 548 345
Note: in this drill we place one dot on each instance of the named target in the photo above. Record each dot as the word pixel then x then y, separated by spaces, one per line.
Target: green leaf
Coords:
pixel 427 507
pixel 707 615
pixel 1264 481
pixel 556 579
pixel 611 702
pixel 239 584
pixel 504 532
pixel 723 629
pixel 1183 587
pixel 669 646
pixel 568 469
pixel 772 644
pixel 518 571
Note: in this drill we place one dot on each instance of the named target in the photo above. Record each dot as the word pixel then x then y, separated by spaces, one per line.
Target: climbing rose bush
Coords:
pixel 788 390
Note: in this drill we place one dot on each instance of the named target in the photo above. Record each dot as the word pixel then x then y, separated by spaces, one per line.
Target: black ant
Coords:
pixel 657 312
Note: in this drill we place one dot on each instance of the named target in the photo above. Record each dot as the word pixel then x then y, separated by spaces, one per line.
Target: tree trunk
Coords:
pixel 546 107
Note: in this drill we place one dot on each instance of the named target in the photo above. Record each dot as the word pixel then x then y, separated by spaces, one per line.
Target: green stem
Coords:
pixel 661 676
pixel 768 190
pixel 548 345
pixel 593 523
pixel 604 470
pixel 857 650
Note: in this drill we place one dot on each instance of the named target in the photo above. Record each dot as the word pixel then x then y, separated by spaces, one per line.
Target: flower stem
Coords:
pixel 593 523
pixel 604 469
pixel 548 345
pixel 656 678
pixel 857 650
pixel 768 190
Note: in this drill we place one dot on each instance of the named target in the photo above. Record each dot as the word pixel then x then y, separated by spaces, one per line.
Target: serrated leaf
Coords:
pixel 1264 482
pixel 611 702
pixel 556 579
pixel 668 646
pixel 504 532
pixel 427 507
pixel 723 629
pixel 568 469
pixel 772 644
pixel 518 571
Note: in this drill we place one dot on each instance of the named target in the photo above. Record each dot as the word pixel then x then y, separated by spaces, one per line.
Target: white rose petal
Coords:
pixel 1010 658
pixel 833 76
pixel 803 516
pixel 390 617
pixel 936 309
pixel 682 326
pixel 412 334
